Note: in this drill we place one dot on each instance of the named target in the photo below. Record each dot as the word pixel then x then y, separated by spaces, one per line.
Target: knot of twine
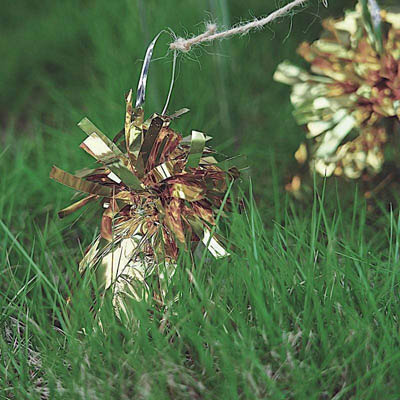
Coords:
pixel 211 33
pixel 186 44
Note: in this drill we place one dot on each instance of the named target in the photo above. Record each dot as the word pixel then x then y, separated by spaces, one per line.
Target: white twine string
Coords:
pixel 211 34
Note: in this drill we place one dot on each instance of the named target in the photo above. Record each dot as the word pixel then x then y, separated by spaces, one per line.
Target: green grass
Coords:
pixel 307 305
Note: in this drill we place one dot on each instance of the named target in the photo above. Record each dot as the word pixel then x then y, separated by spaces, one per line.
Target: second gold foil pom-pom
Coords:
pixel 351 94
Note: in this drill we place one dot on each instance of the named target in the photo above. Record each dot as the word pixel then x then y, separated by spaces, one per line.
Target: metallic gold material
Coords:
pixel 160 195
pixel 353 89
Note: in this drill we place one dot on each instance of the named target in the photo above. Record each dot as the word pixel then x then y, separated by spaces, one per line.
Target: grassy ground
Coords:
pixel 306 307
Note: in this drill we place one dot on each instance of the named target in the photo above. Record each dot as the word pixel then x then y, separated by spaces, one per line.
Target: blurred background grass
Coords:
pixel 64 60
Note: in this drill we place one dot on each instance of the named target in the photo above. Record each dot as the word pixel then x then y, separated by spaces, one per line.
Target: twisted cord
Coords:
pixel 211 33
